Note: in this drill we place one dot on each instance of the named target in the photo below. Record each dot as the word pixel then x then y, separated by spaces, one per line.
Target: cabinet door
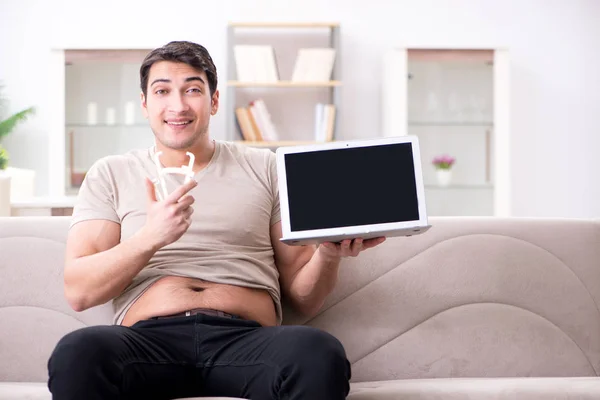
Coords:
pixel 102 115
pixel 456 102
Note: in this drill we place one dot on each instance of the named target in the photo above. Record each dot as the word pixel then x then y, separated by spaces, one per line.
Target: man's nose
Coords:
pixel 177 103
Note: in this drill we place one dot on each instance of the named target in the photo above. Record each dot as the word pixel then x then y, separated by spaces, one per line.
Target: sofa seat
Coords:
pixel 479 388
pixel 24 391
pixel 39 391
pixel 583 388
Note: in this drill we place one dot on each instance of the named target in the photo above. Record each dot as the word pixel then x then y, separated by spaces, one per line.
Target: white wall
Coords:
pixel 554 45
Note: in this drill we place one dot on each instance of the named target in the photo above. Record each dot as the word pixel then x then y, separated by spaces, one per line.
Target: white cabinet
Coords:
pixel 102 109
pixel 456 101
pixel 95 112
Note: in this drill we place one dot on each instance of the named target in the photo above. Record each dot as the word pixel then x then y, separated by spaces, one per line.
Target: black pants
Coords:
pixel 199 355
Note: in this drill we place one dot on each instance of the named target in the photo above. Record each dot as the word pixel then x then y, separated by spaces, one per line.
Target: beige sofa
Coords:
pixel 476 308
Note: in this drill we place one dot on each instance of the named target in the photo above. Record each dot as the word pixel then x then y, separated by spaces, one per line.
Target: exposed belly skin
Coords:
pixel 174 294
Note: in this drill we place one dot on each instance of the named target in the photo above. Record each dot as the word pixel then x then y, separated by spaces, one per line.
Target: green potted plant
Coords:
pixel 3 159
pixel 7 125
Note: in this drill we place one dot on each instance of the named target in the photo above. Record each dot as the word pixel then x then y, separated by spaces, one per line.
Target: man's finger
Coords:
pixel 357 246
pixel 185 201
pixel 180 191
pixel 188 212
pixel 151 191
pixel 367 244
pixel 329 245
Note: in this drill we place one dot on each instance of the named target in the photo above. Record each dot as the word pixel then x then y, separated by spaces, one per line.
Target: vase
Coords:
pixel 92 113
pixel 111 116
pixel 444 177
pixel 129 113
pixel 4 194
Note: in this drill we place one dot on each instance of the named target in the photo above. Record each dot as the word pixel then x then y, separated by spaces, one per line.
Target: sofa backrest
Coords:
pixel 472 297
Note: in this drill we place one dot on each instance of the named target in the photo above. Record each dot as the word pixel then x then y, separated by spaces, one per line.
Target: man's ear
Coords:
pixel 144 105
pixel 214 103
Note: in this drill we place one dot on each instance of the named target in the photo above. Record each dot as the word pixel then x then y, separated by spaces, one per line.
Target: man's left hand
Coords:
pixel 348 247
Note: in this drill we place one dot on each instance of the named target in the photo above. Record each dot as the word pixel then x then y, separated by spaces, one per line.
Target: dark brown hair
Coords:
pixel 189 53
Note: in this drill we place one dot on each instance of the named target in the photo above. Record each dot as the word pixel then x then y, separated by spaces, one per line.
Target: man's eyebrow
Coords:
pixel 160 80
pixel 195 78
pixel 189 79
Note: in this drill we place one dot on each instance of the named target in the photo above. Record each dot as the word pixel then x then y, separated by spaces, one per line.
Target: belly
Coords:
pixel 173 294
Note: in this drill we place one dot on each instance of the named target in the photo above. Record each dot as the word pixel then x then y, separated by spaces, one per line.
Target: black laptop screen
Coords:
pixel 353 186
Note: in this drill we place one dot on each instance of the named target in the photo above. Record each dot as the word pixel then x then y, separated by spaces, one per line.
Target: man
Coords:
pixel 196 278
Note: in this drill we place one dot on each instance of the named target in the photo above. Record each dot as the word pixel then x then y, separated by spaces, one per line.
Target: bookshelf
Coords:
pixel 271 92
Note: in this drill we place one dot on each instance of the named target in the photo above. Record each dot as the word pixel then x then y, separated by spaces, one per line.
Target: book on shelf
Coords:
pixel 255 122
pixel 324 122
pixel 247 125
pixel 255 63
pixel 314 64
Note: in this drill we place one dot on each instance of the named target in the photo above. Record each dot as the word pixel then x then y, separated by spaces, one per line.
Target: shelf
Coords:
pixel 451 123
pixel 44 202
pixel 277 143
pixel 106 126
pixel 283 84
pixel 284 24
pixel 461 186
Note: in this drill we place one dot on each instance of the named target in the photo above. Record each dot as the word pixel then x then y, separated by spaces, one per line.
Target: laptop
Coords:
pixel 351 189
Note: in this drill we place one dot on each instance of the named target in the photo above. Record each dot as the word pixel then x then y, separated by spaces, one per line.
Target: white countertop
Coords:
pixel 44 202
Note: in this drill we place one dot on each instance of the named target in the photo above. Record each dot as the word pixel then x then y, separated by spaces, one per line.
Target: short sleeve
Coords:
pixel 96 197
pixel 273 178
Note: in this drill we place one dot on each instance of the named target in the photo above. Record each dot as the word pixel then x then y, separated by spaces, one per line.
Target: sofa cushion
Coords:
pixel 479 388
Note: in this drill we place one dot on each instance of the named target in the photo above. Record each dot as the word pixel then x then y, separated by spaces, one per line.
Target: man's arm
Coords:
pixel 98 268
pixel 308 273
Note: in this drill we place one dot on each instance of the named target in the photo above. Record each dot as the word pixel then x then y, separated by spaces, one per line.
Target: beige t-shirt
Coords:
pixel 236 202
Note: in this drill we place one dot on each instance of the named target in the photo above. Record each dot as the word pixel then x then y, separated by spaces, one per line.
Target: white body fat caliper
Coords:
pixel 185 170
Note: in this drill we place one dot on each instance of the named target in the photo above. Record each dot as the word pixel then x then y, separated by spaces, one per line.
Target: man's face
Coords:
pixel 178 104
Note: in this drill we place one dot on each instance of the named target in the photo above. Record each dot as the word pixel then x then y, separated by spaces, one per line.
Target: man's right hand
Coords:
pixel 169 219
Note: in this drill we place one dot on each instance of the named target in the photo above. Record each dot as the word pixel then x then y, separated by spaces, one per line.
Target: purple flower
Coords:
pixel 443 161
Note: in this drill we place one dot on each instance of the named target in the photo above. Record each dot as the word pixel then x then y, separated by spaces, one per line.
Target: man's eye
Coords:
pixel 194 90
pixel 160 91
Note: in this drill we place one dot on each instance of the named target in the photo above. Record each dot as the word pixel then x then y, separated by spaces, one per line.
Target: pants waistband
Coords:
pixel 204 311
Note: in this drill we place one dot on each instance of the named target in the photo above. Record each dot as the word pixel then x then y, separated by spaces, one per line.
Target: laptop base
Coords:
pixel 298 241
